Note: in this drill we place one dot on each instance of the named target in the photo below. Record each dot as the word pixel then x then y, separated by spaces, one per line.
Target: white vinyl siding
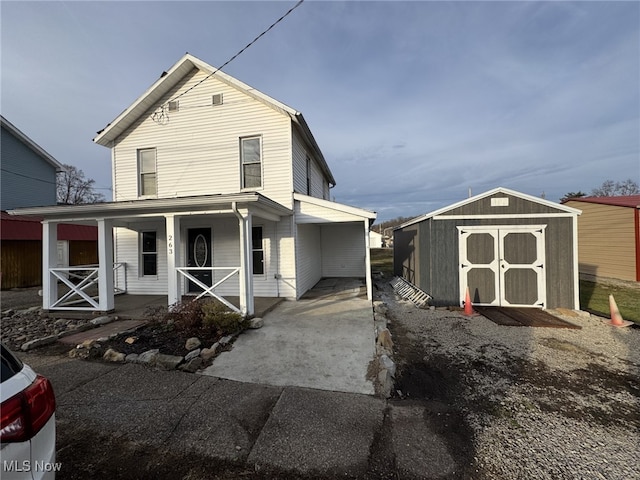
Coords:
pixel 308 247
pixel 343 250
pixel 127 244
pixel 318 184
pixel 197 147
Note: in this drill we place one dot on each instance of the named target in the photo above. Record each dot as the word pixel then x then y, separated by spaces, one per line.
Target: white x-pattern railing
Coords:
pixel 85 276
pixel 206 289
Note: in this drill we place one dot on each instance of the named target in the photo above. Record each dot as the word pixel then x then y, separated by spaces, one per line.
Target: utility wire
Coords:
pixel 45 181
pixel 160 116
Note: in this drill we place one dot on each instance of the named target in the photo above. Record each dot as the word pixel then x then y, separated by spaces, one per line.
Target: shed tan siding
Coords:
pixel 606 240
pixel 198 146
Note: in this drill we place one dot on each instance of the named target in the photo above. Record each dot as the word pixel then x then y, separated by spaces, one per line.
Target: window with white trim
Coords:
pixel 147 180
pixel 257 249
pixel 148 254
pixel 251 161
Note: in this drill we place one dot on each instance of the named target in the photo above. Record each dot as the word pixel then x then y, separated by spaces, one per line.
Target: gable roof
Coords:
pixel 506 191
pixel 170 79
pixel 15 131
pixel 631 201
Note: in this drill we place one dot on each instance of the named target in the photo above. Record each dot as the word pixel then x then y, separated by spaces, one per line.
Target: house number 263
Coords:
pixel 170 244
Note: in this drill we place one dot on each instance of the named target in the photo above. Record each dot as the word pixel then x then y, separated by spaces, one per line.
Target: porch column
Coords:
pixel 49 260
pixel 105 265
pixel 367 260
pixel 246 264
pixel 173 258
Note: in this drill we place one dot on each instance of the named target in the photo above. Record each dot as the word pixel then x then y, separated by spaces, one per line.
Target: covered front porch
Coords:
pixel 137 307
pixel 216 246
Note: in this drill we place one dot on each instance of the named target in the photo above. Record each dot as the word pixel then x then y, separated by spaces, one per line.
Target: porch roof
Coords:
pixel 259 204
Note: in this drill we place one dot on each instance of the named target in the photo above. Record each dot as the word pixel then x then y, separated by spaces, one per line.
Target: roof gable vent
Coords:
pixel 216 99
pixel 173 106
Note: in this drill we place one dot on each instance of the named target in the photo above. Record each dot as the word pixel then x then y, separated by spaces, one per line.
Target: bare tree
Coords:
pixel 609 188
pixel 74 188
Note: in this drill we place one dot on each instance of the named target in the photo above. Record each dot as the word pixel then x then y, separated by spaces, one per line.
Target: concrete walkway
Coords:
pixel 324 342
pixel 105 411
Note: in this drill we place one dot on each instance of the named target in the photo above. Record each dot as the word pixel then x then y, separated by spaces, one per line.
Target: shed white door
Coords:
pixel 503 265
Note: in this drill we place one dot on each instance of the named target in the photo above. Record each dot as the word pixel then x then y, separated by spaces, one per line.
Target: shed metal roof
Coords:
pixel 631 201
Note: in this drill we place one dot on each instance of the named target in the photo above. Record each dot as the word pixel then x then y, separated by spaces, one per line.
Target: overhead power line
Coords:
pixel 162 116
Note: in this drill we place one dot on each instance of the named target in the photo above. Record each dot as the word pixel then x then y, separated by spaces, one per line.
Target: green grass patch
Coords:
pixel 382 261
pixel 594 297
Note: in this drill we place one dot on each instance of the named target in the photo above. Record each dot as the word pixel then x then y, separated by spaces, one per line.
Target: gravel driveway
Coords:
pixel 540 403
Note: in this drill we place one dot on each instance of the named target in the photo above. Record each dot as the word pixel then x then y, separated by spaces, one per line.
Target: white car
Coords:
pixel 28 427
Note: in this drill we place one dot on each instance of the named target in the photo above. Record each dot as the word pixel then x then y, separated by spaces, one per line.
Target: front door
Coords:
pixel 503 265
pixel 199 254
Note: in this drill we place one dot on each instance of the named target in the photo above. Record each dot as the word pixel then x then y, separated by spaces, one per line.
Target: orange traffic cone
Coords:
pixel 616 318
pixel 468 308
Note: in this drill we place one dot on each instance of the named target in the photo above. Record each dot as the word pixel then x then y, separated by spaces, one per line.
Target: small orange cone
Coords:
pixel 468 308
pixel 616 318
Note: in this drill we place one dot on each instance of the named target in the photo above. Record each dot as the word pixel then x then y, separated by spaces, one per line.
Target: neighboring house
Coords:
pixel 218 190
pixel 29 179
pixel 375 240
pixel 28 172
pixel 609 237
pixel 508 248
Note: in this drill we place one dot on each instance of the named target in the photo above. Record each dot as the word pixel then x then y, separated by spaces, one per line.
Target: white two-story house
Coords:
pixel 218 190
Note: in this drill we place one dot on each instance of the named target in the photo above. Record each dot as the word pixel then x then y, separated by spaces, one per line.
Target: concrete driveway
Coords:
pixel 324 341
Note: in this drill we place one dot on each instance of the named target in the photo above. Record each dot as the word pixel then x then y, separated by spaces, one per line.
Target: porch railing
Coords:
pixel 82 284
pixel 210 290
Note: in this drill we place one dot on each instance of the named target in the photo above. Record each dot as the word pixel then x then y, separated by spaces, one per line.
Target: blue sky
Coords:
pixel 412 103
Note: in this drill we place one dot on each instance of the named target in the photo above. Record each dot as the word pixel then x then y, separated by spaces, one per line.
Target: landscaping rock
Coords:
pixel 192 354
pixel 226 340
pixel 384 339
pixel 209 353
pixel 131 340
pixel 168 362
pixel 192 343
pixel 39 342
pixel 132 358
pixel 256 323
pixel 101 320
pixel 148 357
pixel 112 355
pixel 192 365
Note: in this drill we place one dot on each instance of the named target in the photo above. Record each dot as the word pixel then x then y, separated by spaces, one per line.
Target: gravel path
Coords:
pixel 540 403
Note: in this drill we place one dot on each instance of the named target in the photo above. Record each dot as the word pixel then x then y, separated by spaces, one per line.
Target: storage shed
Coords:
pixel 509 248
pixel 609 237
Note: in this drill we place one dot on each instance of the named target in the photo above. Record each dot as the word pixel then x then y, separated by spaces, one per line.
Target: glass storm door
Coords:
pixel 503 266
pixel 199 253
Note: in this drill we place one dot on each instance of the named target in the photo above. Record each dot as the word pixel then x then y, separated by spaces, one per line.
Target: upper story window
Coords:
pixel 147 172
pixel 251 160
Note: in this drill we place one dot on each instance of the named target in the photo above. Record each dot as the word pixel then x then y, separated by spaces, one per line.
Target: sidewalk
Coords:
pixel 297 432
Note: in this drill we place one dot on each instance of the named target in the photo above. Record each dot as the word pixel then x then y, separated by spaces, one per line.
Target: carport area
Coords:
pixel 324 341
